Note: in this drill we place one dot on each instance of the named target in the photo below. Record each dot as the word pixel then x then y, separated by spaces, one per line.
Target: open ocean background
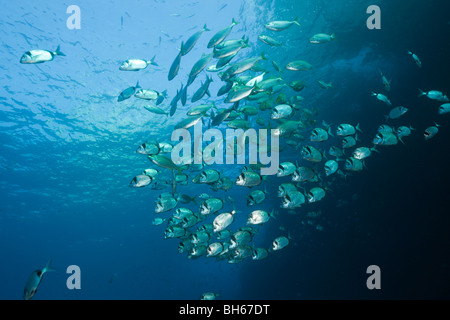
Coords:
pixel 68 151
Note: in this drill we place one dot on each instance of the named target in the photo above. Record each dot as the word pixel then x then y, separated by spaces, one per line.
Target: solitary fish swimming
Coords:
pixel 137 64
pixel 34 280
pixel 281 25
pixel 322 38
pixel 434 95
pixel 430 132
pixel 40 56
pixel 416 59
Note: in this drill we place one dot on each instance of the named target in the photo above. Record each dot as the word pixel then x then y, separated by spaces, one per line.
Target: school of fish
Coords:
pixel 255 96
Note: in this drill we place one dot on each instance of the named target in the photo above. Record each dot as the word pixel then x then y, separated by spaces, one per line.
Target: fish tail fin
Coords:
pixel 421 93
pixel 194 200
pixel 234 211
pixel 329 131
pixel 386 117
pixel 272 214
pixel 263 56
pixel 58 52
pixel 265 190
pixel 164 93
pixel 437 126
pixel 409 52
pixel 245 41
pixel 152 61
pixel 205 28
pixel 357 128
pixel 411 128
pixel 400 138
pixel 374 148
pixel 333 36
pixel 190 80
pixel 234 22
pixel 364 165
pixel 137 84
pixel 296 22
pixel 48 267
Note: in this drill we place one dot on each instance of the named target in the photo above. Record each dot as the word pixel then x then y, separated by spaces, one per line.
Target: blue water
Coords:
pixel 68 152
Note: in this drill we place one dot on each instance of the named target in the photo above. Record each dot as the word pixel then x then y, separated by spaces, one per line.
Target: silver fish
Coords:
pixel 137 64
pixel 128 93
pixel 416 59
pixel 175 67
pixel 40 56
pixel 270 41
pixel 221 35
pixel 281 25
pixel 280 243
pixel 199 66
pixel 140 181
pixel 34 280
pixel 430 132
pixel 223 220
pixel 190 43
